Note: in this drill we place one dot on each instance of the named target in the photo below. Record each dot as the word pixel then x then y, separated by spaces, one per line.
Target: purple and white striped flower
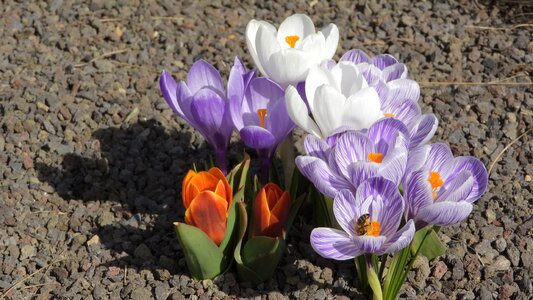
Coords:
pixel 440 189
pixel 398 94
pixel 202 102
pixel 257 106
pixel 370 223
pixel 346 159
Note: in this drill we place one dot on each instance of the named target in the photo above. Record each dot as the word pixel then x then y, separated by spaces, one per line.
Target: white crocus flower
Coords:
pixel 287 54
pixel 336 97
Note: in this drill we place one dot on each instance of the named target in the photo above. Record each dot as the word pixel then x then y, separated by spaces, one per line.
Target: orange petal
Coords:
pixel 220 190
pixel 208 211
pixel 261 213
pixel 282 207
pixel 200 182
pixel 273 193
pixel 185 188
pixel 218 174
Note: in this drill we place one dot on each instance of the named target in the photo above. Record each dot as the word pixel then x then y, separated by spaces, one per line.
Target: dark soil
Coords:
pixel 92 158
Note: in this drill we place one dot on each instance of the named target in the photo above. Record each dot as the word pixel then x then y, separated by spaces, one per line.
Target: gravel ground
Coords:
pixel 91 156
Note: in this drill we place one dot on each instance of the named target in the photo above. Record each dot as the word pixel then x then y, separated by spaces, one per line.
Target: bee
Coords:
pixel 362 224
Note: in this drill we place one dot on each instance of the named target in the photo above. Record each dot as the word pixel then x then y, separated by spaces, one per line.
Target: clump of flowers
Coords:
pixel 383 191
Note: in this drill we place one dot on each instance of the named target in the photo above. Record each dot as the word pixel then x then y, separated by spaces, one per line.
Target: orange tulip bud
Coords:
pixel 271 210
pixel 207 197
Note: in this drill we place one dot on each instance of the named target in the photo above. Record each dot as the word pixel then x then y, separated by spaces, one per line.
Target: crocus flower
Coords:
pixel 370 223
pixel 258 113
pixel 202 102
pixel 285 55
pixel 207 197
pixel 440 189
pixel 345 160
pixel 397 93
pixel 271 210
pixel 336 98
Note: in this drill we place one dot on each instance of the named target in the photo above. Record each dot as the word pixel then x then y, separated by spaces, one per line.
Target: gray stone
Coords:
pixel 143 252
pixel 27 251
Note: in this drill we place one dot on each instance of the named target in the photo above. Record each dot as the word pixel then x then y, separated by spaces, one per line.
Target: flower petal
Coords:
pixel 393 165
pixel 348 79
pixel 423 130
pixel 331 33
pixel 319 173
pixel 168 87
pixel 401 89
pixel 368 243
pixel 257 137
pixel 417 193
pixel 329 105
pixel 251 33
pixel 209 213
pixel 378 189
pixel 202 74
pixel 289 66
pixel 383 60
pixel 478 171
pixel 236 93
pixel 334 244
pixel 351 147
pixel 298 24
pixel 316 147
pixel 457 189
pixel 445 213
pixel 209 112
pixel 361 171
pixel 345 211
pixel 395 71
pixel 399 240
pixel 266 45
pixel 298 112
pixel 387 134
pixel 316 77
pixel 362 110
pixel 440 159
pixel 356 56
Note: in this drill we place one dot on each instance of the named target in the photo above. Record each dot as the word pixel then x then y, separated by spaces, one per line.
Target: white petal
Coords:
pixel 298 112
pixel 288 66
pixel 251 32
pixel 317 76
pixel 329 106
pixel 266 45
pixel 363 109
pixel 349 79
pixel 314 45
pixel 297 24
pixel 331 33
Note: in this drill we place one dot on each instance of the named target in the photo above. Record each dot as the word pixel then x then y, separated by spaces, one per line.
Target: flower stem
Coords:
pixel 221 160
pixel 373 279
pixel 266 160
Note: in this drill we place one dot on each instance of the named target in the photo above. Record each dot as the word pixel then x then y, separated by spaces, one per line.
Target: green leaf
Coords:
pixel 261 255
pixel 237 176
pixel 204 259
pixel 295 208
pixel 432 246
pixel 229 237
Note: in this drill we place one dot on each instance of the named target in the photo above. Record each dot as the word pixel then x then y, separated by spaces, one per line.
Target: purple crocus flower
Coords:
pixel 440 189
pixel 370 223
pixel 398 94
pixel 346 159
pixel 202 102
pixel 258 112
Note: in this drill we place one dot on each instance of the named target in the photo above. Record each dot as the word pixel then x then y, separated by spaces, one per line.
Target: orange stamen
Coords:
pixel 388 115
pixel 291 40
pixel 375 157
pixel 373 228
pixel 436 182
pixel 261 113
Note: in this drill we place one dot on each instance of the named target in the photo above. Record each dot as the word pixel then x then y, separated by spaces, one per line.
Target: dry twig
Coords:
pixel 107 54
pixel 505 149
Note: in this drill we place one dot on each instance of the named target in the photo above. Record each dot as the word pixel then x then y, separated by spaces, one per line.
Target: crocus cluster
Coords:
pixel 367 150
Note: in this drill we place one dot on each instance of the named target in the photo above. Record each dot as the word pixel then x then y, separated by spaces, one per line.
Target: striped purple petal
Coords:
pixel 399 240
pixel 346 212
pixel 445 213
pixel 201 75
pixel 422 130
pixel 316 147
pixel 393 165
pixel 361 171
pixel 417 193
pixel 479 174
pixel 334 244
pixel 456 189
pixel 351 147
pixel 319 173
pixel 385 132
pixel 356 56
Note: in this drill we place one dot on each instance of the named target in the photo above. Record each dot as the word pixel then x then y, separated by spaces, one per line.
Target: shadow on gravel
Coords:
pixel 139 167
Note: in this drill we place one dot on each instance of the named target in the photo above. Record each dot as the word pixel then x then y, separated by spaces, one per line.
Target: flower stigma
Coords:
pixel 262 113
pixel 436 182
pixel 291 40
pixel 375 157
pixel 388 115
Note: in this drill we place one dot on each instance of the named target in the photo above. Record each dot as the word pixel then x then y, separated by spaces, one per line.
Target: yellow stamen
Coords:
pixel 375 157
pixel 436 182
pixel 291 40
pixel 372 228
pixel 261 113
pixel 388 115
